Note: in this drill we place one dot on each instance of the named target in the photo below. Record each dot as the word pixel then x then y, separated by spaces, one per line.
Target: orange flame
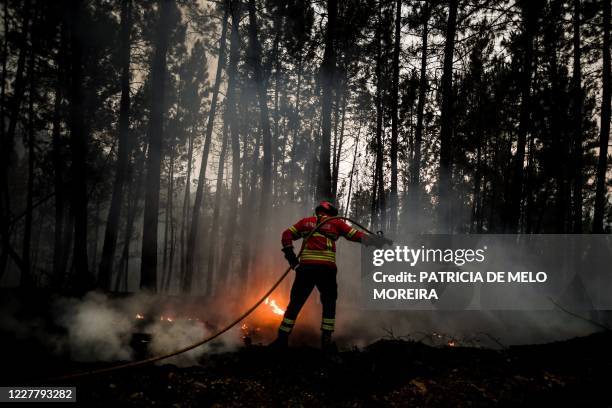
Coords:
pixel 452 343
pixel 275 308
pixel 139 316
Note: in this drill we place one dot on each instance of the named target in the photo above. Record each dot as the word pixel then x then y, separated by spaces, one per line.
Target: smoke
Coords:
pixel 181 333
pixel 98 327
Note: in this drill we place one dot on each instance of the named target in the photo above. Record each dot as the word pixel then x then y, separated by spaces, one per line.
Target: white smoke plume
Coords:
pixel 96 330
pixel 100 328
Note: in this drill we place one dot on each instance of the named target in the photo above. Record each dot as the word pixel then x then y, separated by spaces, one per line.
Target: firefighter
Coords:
pixel 317 267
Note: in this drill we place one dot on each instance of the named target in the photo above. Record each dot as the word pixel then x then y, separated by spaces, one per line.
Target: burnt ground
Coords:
pixel 572 373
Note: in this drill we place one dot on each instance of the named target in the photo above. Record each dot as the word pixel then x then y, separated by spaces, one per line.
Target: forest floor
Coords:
pixel 575 372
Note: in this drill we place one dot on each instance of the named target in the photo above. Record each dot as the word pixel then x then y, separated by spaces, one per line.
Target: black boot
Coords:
pixel 326 341
pixel 281 341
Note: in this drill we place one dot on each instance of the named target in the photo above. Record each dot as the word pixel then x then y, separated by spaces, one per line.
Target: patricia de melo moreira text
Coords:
pixel 458 257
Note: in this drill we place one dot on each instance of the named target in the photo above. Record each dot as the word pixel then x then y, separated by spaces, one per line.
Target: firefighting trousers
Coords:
pixel 306 278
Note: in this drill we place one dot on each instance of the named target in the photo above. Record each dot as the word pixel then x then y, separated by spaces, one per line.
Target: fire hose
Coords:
pixel 213 336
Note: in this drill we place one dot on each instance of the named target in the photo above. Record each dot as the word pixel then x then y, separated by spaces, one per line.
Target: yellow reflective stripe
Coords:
pixel 331 261
pixel 351 233
pixel 288 321
pixel 318 251
pixel 318 256
pixel 327 327
pixel 293 230
pixel 329 244
pixel 315 255
pixel 285 329
pixel 330 321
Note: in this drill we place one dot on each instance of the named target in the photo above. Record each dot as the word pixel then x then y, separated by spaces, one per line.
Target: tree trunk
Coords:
pixel 148 265
pixel 27 280
pixel 186 198
pixel 67 242
pixel 6 23
pixel 3 179
pixel 415 167
pixel 255 55
pixel 350 188
pixel 79 140
pixel 114 212
pixel 604 128
pixel 8 138
pixel 123 155
pixel 170 270
pixel 338 89
pixel 249 209
pixel 197 206
pixel 19 88
pixel 170 209
pixel 135 193
pixel 327 74
pixel 476 216
pixel 232 119
pixel 262 93
pixel 529 183
pixel 336 172
pixel 578 113
pixel 96 236
pixel 214 230
pixel 296 132
pixel 560 145
pixel 393 199
pixel 277 155
pixel 378 198
pixel 446 124
pixel 38 234
pixel 58 162
pixel 514 199
pixel 168 215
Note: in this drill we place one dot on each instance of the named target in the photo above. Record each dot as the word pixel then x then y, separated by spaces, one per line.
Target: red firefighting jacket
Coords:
pixel 321 247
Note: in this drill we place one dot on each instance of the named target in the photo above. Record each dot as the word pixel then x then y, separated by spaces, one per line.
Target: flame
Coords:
pixel 451 343
pixel 139 316
pixel 275 308
pixel 166 318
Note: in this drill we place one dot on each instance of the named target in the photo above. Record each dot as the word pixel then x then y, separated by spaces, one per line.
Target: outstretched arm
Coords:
pixel 353 234
pixel 350 233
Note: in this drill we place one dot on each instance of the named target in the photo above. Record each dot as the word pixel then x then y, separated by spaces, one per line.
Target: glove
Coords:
pixel 291 257
pixel 377 241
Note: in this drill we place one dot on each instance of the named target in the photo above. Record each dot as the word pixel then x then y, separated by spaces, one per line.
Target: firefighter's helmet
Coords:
pixel 326 208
